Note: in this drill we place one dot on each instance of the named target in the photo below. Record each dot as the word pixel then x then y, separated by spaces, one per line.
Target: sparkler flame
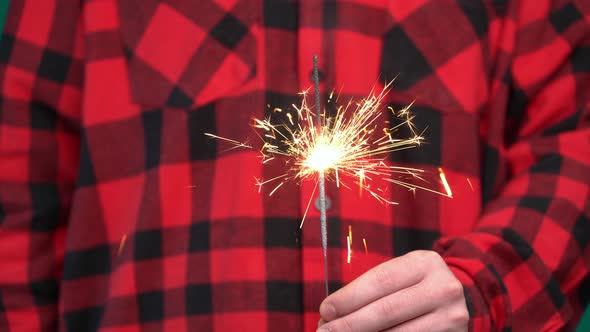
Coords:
pixel 352 144
pixel 323 156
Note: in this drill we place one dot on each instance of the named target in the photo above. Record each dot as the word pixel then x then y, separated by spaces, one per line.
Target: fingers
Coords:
pixel 408 292
pixel 391 310
pixel 427 322
pixel 387 278
pixel 438 321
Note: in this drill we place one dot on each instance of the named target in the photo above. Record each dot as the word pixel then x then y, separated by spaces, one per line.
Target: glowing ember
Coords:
pixel 324 156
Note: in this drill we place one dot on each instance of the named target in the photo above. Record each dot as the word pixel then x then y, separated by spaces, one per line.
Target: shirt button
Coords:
pixel 321 75
pixel 328 203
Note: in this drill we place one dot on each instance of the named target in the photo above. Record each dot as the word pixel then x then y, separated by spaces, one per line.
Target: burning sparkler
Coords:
pixel 320 159
pixel 353 145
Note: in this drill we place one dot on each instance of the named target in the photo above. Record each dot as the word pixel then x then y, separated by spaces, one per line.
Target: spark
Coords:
pixel 349 244
pixel 234 142
pixel 349 251
pixel 121 244
pixel 308 204
pixel 276 188
pixel 365 244
pixel 470 185
pixel 443 179
pixel 361 181
pixel 351 148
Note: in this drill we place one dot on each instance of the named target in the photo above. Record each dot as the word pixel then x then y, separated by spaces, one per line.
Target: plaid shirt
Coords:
pixel 118 214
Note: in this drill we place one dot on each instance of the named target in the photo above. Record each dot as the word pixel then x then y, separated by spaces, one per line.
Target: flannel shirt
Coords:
pixel 117 213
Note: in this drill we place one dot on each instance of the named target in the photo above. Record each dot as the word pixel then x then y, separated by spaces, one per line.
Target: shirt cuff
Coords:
pixel 479 317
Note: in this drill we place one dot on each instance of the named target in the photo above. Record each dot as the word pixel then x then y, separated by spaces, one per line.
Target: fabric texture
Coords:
pixel 117 213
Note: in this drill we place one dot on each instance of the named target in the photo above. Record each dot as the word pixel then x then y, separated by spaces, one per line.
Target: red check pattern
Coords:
pixel 118 214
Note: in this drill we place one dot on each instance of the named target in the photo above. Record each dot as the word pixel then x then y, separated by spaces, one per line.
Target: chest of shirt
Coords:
pixel 161 75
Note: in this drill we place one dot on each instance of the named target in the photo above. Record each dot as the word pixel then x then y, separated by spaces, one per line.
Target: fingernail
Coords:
pixel 324 329
pixel 328 311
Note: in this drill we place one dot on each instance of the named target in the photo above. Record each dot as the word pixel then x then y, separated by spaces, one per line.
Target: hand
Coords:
pixel 414 292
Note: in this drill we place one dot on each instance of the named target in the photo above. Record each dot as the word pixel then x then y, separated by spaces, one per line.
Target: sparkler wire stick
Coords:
pixel 321 179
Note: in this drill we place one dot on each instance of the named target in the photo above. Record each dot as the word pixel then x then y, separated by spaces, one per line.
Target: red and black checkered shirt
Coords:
pixel 118 214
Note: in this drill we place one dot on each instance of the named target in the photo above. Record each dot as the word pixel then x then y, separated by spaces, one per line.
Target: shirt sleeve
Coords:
pixel 524 264
pixel 40 95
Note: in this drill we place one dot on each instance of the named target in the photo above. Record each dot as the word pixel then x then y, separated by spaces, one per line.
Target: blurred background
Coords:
pixel 584 323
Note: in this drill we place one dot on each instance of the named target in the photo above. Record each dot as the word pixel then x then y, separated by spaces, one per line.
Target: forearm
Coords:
pixel 529 253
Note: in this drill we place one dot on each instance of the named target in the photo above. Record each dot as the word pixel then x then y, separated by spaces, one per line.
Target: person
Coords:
pixel 117 213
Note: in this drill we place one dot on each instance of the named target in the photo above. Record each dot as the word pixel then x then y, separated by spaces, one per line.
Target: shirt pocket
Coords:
pixel 183 54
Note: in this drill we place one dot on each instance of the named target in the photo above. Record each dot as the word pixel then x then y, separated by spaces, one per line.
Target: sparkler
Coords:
pixel 351 145
pixel 321 163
